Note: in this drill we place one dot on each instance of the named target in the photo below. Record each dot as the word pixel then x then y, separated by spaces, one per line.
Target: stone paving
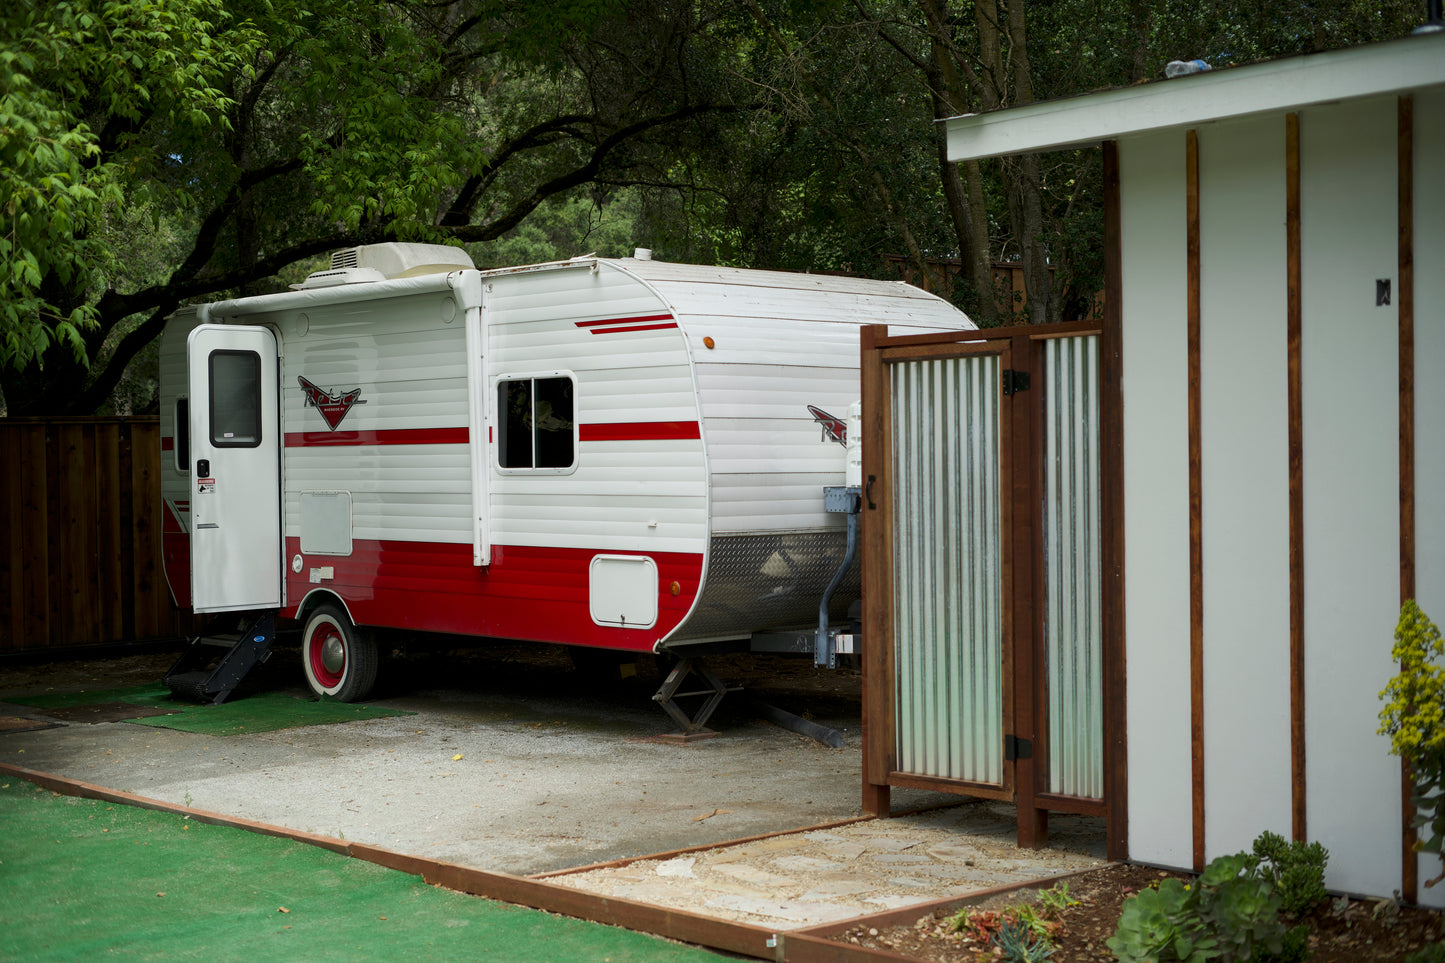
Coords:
pixel 820 876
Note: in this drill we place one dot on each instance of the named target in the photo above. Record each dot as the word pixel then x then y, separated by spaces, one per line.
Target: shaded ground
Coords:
pixel 515 761
pixel 81 880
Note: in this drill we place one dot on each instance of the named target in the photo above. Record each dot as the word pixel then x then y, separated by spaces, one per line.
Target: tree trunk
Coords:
pixel 969 223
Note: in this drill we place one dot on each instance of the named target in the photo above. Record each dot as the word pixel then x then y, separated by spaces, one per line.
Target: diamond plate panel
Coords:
pixel 759 583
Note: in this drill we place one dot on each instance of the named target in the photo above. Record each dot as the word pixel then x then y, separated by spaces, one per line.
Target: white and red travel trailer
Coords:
pixel 621 453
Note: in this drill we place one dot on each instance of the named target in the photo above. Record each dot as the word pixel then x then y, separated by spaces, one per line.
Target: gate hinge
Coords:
pixel 1016 748
pixel 1014 381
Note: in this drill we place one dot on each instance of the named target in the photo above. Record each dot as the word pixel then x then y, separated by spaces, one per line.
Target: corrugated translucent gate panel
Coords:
pixel 1072 632
pixel 947 630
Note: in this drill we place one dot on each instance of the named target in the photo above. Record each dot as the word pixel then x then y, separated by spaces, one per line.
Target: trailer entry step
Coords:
pixel 194 677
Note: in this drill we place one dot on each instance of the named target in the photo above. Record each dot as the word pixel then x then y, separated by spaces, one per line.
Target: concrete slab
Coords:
pixel 528 769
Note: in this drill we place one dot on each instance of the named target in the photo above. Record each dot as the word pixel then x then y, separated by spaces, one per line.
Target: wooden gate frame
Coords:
pixel 1022 466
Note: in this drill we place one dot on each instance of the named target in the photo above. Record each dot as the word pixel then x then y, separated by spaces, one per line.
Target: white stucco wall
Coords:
pixel 1156 491
pixel 1430 382
pixel 1245 482
pixel 1349 360
pixel 1351 486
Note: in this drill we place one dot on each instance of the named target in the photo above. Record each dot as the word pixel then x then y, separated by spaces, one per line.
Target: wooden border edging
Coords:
pixel 805 945
pixel 907 914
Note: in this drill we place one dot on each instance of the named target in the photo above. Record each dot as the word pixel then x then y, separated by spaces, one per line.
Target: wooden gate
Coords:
pixel 989 669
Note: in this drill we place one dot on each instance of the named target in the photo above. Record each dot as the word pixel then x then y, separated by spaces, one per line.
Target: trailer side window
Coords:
pixel 183 434
pixel 536 426
pixel 235 399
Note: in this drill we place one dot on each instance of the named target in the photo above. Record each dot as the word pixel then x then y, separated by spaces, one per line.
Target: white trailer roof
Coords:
pixel 702 291
pixel 690 290
pixel 1412 63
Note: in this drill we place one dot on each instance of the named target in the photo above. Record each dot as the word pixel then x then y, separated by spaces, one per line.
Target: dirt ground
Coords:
pixel 1342 931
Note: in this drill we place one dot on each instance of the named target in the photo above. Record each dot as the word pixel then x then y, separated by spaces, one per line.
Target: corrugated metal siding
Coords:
pixel 948 629
pixel 1073 636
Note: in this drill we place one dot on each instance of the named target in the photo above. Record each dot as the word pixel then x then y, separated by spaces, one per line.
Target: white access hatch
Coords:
pixel 622 590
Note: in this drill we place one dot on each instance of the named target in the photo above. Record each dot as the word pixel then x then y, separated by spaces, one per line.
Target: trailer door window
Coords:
pixel 235 399
pixel 536 426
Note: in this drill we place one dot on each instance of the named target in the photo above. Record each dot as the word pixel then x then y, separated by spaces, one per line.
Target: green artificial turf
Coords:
pixel 258 712
pixel 262 712
pixel 88 880
pixel 141 695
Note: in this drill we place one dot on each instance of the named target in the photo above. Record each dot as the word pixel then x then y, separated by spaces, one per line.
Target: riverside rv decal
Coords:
pixel 333 407
pixel 833 427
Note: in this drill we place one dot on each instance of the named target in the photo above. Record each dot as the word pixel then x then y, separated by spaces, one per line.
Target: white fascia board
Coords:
pixel 468 290
pixel 1411 63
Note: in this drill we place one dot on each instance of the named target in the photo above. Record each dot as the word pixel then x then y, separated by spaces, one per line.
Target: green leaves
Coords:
pixel 1163 924
pixel 1413 717
pixel 1230 913
pixel 65 68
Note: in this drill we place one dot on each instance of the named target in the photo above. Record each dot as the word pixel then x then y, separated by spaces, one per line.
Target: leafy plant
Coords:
pixel 1240 906
pixel 1434 953
pixel 1020 944
pixel 981 924
pixel 1037 921
pixel 1298 869
pixel 1056 899
pixel 1414 710
pixel 1163 924
pixel 1231 913
pixel 1295 947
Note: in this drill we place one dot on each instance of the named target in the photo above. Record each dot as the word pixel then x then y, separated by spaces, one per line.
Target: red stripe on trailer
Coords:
pixel 394 436
pixel 642 319
pixel 530 593
pixel 176 551
pixel 635 327
pixel 641 431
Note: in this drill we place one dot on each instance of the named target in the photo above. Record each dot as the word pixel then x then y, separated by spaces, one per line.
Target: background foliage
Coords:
pixel 154 152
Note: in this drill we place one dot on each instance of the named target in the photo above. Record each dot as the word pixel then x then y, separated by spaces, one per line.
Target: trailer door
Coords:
pixel 235 447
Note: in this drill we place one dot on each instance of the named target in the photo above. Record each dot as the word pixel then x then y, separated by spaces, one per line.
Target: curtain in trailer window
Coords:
pixel 235 399
pixel 536 425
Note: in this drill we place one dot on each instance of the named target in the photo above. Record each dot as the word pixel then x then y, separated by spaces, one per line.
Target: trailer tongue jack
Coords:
pixel 694 726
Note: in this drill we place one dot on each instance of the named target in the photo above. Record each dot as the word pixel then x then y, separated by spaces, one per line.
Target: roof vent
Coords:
pixel 346 275
pixel 643 253
pixel 377 262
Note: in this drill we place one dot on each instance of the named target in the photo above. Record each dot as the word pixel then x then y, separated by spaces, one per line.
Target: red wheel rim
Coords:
pixel 326 636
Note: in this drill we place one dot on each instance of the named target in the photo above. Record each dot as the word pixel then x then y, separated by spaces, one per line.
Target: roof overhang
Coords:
pixel 1288 84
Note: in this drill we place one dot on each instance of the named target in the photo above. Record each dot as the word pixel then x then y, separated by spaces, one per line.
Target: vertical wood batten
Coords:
pixel 1111 511
pixel 1295 415
pixel 1410 860
pixel 1019 470
pixel 877 587
pixel 111 561
pixel 1196 523
pixel 34 539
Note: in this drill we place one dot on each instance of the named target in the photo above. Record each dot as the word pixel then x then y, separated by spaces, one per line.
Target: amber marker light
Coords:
pixel 710 343
pixel 676 588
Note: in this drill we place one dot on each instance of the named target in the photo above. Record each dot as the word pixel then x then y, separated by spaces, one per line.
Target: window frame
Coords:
pixel 499 417
pixel 181 445
pixel 215 442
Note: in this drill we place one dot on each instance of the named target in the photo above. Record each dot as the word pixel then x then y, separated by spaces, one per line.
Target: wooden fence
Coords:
pixel 80 548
